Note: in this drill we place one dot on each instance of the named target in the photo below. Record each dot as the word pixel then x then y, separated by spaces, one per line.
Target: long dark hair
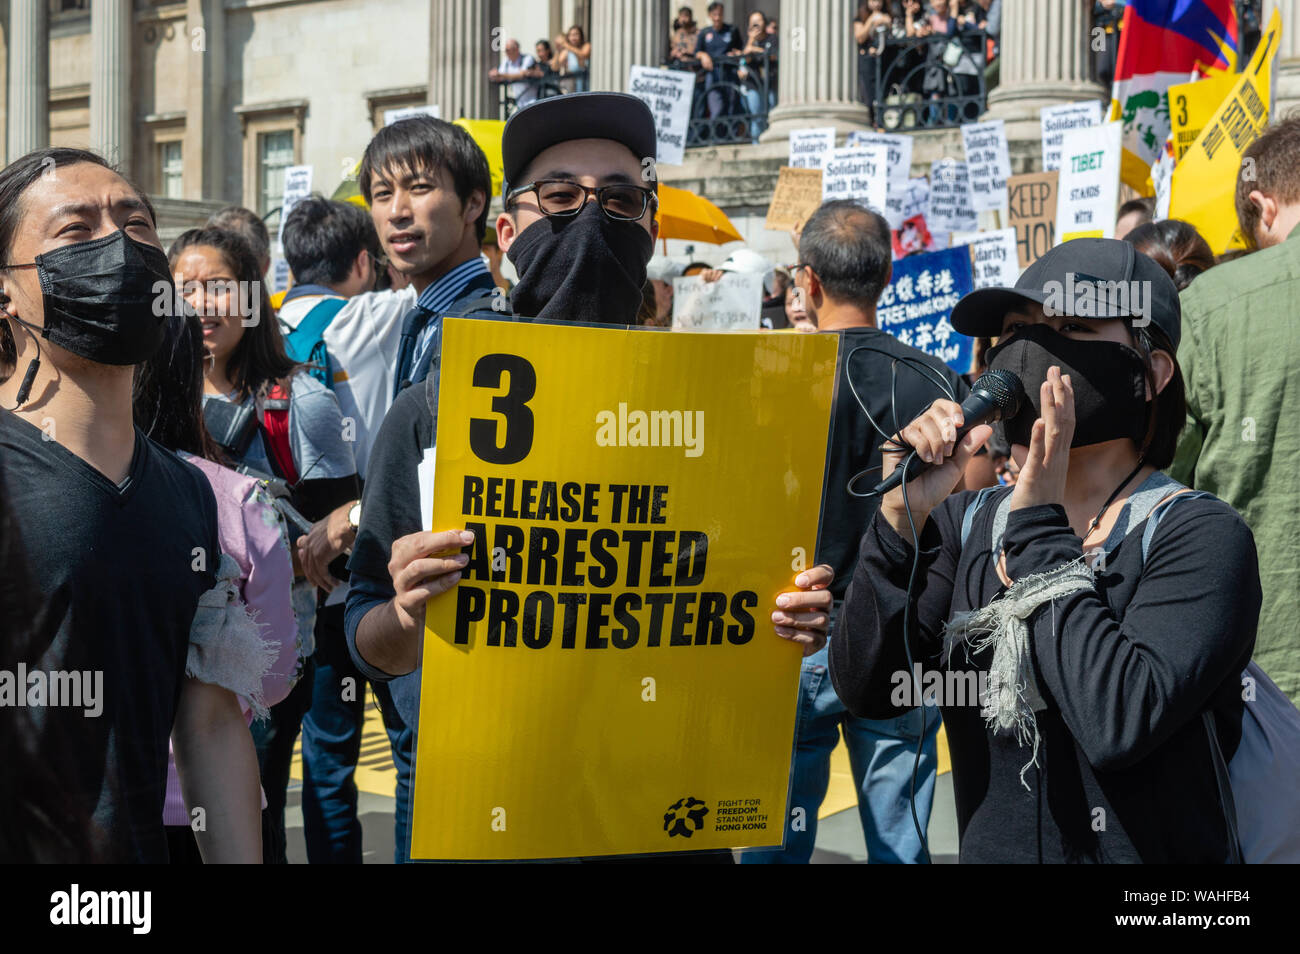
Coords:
pixel 1175 246
pixel 259 360
pixel 1169 409
pixel 167 396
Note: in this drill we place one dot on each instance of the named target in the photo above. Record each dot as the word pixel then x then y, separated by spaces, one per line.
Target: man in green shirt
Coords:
pixel 1240 356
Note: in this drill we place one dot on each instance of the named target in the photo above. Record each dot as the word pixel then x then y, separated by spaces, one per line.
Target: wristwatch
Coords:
pixel 354 517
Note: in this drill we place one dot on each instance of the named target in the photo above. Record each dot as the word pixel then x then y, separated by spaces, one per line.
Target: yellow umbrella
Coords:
pixel 486 132
pixel 685 215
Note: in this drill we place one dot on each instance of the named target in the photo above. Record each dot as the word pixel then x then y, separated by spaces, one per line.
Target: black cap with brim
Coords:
pixel 556 119
pixel 1084 278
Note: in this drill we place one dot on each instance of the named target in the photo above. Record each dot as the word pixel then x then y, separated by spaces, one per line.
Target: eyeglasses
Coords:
pixel 794 267
pixel 561 197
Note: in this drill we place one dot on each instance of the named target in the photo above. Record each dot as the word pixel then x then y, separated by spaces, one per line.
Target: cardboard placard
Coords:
pixel 733 301
pixel 668 93
pixel 797 195
pixel 1031 211
pixel 604 678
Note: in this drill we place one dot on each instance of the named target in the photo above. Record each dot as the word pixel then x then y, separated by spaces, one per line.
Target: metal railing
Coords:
pixel 929 82
pixel 731 101
pixel 549 84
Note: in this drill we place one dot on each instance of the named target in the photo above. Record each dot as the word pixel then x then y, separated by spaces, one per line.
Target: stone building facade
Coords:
pixel 206 102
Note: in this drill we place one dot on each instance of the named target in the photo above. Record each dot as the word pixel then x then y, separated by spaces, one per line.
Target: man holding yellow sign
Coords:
pixel 546 722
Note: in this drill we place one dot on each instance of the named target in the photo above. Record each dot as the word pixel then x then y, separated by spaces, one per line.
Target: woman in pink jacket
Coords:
pixel 244 635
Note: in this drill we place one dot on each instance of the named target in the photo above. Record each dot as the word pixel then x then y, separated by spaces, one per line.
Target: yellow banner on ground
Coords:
pixel 605 678
pixel 1204 183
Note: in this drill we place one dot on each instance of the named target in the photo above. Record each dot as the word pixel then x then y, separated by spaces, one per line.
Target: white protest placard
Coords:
pixel 407 112
pixel 988 163
pixel 668 94
pixel 898 165
pixel 1089 189
pixel 279 274
pixel 733 301
pixel 994 257
pixel 950 205
pixel 297 185
pixel 809 147
pixel 915 194
pixel 857 174
pixel 1056 120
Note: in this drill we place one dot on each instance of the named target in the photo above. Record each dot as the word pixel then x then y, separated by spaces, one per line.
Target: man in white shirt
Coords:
pixel 521 67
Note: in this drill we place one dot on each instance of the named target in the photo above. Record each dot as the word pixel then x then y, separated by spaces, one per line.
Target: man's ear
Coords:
pixel 889 275
pixel 1267 206
pixel 359 266
pixel 475 206
pixel 506 233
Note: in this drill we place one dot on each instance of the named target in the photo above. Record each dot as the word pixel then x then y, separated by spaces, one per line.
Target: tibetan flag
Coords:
pixel 1163 42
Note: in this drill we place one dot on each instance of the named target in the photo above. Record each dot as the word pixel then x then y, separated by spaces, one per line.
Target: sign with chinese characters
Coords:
pixel 920 296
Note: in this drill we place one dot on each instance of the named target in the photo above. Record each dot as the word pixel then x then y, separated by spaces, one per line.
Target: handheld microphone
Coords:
pixel 996 396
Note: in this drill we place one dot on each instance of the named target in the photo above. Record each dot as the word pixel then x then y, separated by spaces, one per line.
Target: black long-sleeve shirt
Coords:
pixel 1124 771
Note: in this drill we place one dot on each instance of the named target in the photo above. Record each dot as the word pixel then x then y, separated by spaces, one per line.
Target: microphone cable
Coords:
pixel 889 443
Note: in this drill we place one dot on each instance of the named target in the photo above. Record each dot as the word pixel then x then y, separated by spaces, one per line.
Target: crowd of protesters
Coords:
pixel 216 505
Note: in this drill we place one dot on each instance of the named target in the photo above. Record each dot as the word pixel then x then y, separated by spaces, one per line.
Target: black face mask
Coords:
pixel 1109 381
pixel 107 299
pixel 585 267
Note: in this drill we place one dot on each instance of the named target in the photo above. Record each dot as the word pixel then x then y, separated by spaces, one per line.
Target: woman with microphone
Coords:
pixel 1096 613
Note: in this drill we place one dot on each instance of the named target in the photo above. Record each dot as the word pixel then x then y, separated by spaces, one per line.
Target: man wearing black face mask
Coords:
pixel 121 534
pixel 579 227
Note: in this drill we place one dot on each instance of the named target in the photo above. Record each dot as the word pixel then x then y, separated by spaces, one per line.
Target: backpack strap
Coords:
pixel 275 425
pixel 306 344
pixel 972 508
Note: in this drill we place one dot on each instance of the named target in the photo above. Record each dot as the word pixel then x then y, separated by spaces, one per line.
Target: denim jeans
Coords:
pixel 881 754
pixel 274 738
pixel 331 746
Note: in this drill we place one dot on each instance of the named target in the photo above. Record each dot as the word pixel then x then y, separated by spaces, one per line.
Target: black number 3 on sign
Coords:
pixel 512 406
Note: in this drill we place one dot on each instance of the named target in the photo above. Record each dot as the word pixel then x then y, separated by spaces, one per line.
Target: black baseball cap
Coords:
pixel 1084 278
pixel 556 119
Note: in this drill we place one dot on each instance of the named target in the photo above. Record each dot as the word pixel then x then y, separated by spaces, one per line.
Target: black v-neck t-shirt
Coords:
pixel 121 569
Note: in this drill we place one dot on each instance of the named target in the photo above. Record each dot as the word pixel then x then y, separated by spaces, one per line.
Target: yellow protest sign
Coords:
pixel 605 678
pixel 1204 182
pixel 1192 105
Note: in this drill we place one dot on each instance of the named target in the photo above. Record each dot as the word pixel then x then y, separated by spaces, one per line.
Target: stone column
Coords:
pixel 207 115
pixel 29 76
pixel 1046 58
pixel 626 33
pixel 1286 98
pixel 465 42
pixel 110 80
pixel 817 81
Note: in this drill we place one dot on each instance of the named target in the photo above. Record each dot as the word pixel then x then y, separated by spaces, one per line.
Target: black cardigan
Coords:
pixel 1124 771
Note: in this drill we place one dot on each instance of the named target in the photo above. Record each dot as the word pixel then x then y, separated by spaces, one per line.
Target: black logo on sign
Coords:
pixel 685 817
